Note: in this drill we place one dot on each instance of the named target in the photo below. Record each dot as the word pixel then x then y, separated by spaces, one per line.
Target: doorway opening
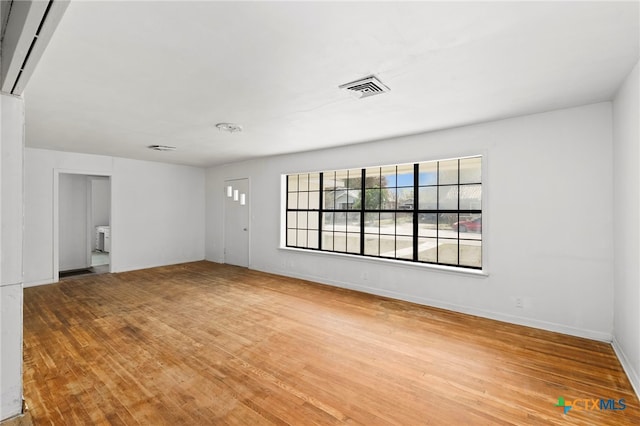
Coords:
pixel 83 225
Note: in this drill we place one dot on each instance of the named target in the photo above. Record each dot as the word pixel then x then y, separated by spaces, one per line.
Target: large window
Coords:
pixel 428 212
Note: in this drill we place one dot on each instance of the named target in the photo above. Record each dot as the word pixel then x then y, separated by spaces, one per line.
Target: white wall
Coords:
pixel 39 175
pixel 547 223
pixel 157 214
pixel 626 230
pixel 72 206
pixel 11 139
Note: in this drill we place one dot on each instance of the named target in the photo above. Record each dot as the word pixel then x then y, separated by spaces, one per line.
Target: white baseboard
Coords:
pixel 512 319
pixel 39 282
pixel 633 376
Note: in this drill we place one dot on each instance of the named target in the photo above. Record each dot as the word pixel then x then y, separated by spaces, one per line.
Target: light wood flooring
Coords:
pixel 203 343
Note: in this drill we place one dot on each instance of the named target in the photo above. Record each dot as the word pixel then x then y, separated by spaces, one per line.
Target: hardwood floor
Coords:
pixel 204 343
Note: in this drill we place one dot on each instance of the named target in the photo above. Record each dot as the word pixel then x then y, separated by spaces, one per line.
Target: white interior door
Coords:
pixel 236 222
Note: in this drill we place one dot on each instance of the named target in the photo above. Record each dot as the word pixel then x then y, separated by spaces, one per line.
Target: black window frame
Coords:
pixel 413 209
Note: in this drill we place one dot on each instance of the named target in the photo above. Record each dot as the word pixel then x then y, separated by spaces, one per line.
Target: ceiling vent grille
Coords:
pixel 365 87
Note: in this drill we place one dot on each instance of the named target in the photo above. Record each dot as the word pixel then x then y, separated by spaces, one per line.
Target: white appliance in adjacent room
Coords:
pixel 103 238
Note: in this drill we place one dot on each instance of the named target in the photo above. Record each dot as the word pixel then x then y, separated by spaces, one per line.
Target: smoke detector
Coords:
pixel 229 127
pixel 162 147
pixel 365 87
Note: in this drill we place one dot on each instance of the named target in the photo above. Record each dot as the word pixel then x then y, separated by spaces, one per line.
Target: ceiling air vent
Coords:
pixel 365 87
pixel 162 147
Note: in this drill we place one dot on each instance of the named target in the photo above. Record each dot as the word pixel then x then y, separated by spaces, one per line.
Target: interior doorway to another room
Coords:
pixel 84 224
pixel 100 195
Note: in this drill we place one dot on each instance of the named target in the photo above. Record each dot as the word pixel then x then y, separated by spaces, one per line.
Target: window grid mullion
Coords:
pixel 320 209
pixel 458 263
pixel 438 212
pixel 416 200
pixel 363 200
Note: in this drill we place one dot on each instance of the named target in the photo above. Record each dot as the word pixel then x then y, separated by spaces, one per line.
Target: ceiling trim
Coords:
pixel 29 27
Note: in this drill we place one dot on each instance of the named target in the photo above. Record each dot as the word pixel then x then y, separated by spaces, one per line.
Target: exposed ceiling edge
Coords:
pixel 29 28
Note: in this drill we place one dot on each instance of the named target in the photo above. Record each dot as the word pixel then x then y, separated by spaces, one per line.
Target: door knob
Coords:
pixel 244 229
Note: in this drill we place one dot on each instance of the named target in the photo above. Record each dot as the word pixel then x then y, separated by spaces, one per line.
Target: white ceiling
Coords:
pixel 119 76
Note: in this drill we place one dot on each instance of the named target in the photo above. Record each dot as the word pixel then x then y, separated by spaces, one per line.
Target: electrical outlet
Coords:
pixel 365 276
pixel 519 302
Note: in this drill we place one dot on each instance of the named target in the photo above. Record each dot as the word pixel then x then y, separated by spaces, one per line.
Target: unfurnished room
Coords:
pixel 319 213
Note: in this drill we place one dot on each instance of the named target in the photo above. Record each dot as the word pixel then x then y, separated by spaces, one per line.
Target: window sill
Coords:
pixel 423 266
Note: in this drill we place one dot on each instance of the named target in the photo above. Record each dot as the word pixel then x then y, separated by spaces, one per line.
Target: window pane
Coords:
pixel 303 200
pixel 372 178
pixel 372 199
pixel 404 247
pixel 327 221
pixel 388 198
pixel 448 197
pixel 302 220
pixel 447 172
pixel 470 197
pixel 327 241
pixel 291 237
pixel 388 245
pixel 404 223
pixel 388 223
pixel 428 173
pixel 292 219
pixel 427 224
pixel 292 200
pixel 471 253
pixel 445 225
pixel 353 242
pixel 448 251
pixel 329 180
pixel 355 179
pixel 427 250
pixel 405 198
pixel 343 200
pixel 341 178
pixel 471 170
pixel 340 221
pixel 302 237
pixel 469 227
pixel 312 239
pixel 303 182
pixel 428 198
pixel 314 181
pixel 353 222
pixel 405 175
pixel 371 243
pixel 388 177
pixel 340 241
pixel 312 221
pixel 353 199
pixel 292 183
pixel 329 199
pixel 314 200
pixel 372 223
